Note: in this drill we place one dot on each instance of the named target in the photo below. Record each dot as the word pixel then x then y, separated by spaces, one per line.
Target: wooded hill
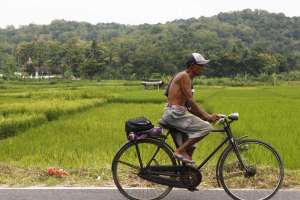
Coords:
pixel 248 42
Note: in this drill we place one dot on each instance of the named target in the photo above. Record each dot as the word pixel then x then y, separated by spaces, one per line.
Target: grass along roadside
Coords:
pixel 12 176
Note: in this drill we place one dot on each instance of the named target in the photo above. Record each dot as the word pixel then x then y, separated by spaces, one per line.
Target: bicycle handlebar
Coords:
pixel 231 117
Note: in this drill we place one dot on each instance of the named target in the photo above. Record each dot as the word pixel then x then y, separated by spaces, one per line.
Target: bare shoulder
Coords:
pixel 182 76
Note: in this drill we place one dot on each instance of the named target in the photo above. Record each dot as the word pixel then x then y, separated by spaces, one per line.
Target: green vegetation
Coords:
pixel 246 43
pixel 79 126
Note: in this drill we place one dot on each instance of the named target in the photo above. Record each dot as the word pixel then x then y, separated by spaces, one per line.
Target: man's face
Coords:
pixel 197 69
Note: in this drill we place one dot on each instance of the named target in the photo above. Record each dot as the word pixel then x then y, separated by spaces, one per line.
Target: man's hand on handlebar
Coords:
pixel 213 117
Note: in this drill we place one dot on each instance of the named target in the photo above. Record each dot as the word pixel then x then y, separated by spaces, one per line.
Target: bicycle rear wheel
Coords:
pixel 264 173
pixel 128 162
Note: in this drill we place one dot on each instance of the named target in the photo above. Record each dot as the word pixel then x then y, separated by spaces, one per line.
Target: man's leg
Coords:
pixel 191 150
pixel 187 148
pixel 195 128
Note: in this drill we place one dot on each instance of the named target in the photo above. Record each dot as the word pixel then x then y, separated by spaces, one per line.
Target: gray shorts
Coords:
pixel 185 122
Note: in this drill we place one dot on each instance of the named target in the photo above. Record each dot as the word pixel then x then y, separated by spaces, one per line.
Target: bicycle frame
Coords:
pixel 229 139
pixel 174 173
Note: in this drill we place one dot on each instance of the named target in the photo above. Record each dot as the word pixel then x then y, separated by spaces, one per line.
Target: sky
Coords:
pixel 24 12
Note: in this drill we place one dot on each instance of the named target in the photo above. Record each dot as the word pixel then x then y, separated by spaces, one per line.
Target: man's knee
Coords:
pixel 207 127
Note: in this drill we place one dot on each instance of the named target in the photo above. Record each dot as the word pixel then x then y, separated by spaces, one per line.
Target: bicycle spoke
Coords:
pixel 128 164
pixel 138 153
pixel 150 161
pixel 233 175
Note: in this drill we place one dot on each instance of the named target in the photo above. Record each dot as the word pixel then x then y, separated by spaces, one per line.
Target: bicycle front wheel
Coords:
pixel 130 160
pixel 263 175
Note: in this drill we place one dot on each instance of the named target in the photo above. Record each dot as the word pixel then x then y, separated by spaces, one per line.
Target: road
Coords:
pixel 113 194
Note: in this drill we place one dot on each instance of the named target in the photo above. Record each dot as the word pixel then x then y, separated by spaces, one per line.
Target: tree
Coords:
pixel 74 55
pixel 9 67
pixel 243 42
pixel 94 63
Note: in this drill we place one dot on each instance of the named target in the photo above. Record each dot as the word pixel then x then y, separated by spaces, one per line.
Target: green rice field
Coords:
pixel 79 126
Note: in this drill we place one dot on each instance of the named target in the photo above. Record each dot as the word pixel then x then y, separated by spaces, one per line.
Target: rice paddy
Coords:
pixel 79 126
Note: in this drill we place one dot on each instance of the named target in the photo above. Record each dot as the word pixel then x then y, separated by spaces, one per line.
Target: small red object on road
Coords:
pixel 52 171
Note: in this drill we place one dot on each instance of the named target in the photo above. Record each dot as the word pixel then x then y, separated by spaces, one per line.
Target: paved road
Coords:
pixel 113 194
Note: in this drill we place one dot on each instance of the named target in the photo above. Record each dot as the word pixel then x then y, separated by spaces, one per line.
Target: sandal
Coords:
pixel 178 156
pixel 186 160
pixel 183 159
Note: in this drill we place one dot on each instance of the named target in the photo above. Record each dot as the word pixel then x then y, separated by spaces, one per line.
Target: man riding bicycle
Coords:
pixel 182 111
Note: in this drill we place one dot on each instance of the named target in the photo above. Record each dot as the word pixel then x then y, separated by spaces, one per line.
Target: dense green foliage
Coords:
pixel 238 43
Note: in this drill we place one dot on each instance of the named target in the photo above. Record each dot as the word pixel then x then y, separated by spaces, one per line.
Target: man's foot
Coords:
pixel 178 156
pixel 183 158
pixel 187 160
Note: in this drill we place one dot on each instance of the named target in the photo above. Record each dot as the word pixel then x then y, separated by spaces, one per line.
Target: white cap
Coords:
pixel 199 59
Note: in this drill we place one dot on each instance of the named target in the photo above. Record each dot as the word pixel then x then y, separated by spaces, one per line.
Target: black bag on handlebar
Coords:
pixel 137 125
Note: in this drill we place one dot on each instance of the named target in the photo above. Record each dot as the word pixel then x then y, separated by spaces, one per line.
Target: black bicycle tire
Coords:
pixel 228 150
pixel 127 145
pixel 220 158
pixel 218 165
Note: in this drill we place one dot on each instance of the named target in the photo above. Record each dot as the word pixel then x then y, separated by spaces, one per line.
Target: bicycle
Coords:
pixel 242 174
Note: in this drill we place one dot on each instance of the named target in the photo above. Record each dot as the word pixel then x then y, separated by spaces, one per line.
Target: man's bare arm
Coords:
pixel 185 85
pixel 198 111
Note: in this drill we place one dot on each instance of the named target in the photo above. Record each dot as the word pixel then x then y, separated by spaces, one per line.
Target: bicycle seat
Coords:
pixel 165 125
